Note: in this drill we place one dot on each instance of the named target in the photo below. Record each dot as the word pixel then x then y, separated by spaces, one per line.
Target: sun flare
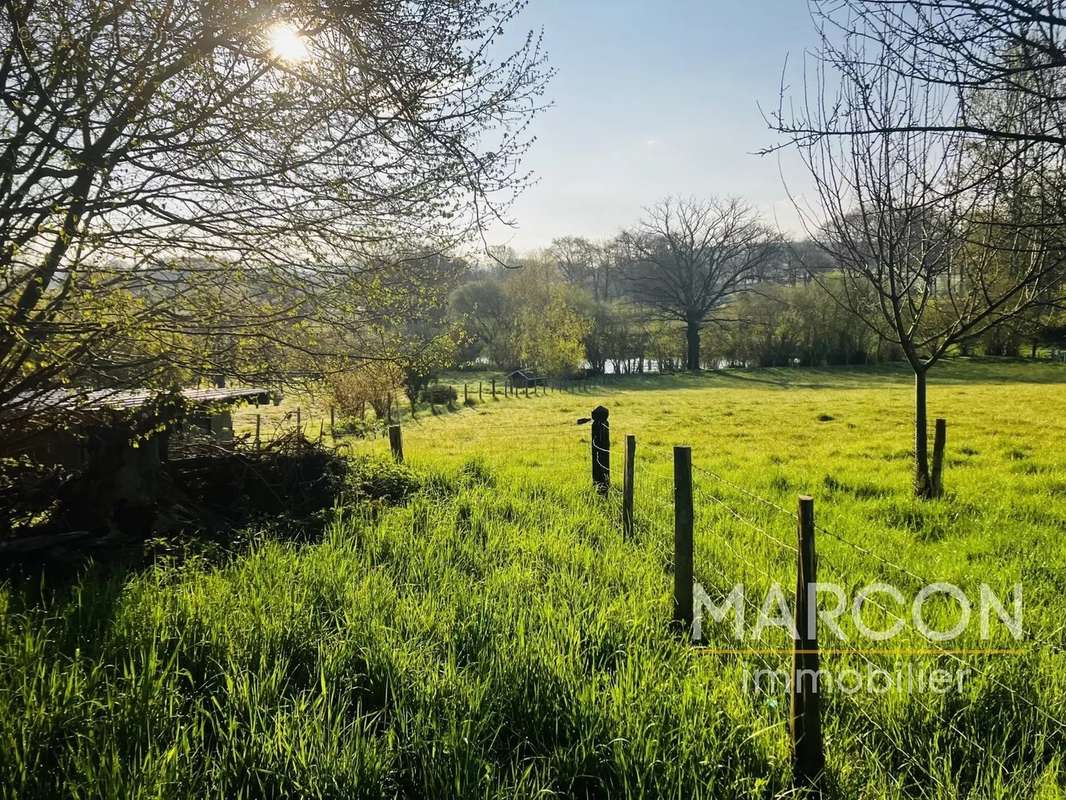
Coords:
pixel 287 43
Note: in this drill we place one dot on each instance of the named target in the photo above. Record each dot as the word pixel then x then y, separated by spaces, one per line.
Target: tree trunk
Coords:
pixel 692 336
pixel 923 485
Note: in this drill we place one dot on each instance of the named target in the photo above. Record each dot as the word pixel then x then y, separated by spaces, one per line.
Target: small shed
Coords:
pixel 118 443
pixel 69 422
pixel 525 377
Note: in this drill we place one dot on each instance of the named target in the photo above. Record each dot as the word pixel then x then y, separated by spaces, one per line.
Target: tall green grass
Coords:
pixel 494 636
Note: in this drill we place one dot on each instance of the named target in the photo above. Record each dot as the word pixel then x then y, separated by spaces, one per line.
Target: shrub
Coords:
pixel 375 384
pixel 381 479
pixel 440 394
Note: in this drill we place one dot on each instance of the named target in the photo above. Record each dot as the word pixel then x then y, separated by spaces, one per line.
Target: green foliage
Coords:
pixel 381 479
pixel 440 394
pixel 526 317
pixel 779 323
pixel 494 637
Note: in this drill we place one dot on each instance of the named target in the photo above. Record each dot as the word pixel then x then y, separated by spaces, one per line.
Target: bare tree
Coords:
pixel 937 237
pixel 589 265
pixel 687 258
pixel 271 172
pixel 964 51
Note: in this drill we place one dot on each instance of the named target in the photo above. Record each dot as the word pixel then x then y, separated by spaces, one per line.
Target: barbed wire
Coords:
pixel 749 523
pixel 769 503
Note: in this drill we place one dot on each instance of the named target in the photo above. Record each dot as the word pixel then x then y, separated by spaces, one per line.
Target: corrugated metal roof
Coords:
pixel 108 399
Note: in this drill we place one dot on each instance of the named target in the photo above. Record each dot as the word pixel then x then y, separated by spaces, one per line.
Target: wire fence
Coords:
pixel 743 540
pixel 332 425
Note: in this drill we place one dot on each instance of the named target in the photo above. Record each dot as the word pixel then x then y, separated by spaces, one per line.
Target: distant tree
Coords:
pixel 549 329
pixel 780 323
pixel 588 265
pixel 526 316
pixel 687 258
pixel 484 309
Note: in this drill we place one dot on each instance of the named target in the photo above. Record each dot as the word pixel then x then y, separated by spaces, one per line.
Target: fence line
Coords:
pixel 645 502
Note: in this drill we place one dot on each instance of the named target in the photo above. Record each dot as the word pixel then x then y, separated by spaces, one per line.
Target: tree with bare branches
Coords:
pixel 268 176
pixel 971 54
pixel 687 258
pixel 938 236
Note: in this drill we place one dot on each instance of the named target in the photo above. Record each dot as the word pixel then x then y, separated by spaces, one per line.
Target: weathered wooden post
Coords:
pixel 493 388
pixel 479 391
pixel 805 716
pixel 299 424
pixel 466 395
pixel 627 486
pixel 332 424
pixel 396 442
pixel 940 435
pixel 527 389
pixel 601 450
pixel 684 518
pixel 258 422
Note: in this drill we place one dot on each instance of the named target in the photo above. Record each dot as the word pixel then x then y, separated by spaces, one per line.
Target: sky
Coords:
pixel 657 98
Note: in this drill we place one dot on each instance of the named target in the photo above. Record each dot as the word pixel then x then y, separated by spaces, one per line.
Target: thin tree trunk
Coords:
pixel 692 336
pixel 923 486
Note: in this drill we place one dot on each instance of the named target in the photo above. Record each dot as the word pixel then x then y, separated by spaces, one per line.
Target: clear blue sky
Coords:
pixel 657 98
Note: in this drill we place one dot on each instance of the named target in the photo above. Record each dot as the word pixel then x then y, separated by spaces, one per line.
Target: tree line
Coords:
pixel 182 202
pixel 696 285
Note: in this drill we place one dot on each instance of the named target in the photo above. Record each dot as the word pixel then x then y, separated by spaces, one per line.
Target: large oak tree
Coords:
pixel 687 258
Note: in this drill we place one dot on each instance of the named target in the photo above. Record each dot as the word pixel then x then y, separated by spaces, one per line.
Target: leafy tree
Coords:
pixel 267 172
pixel 549 329
pixel 526 316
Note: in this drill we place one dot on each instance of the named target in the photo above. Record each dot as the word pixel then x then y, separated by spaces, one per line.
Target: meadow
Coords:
pixel 490 634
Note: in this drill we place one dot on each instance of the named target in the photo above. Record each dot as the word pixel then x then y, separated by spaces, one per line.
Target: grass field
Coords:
pixel 494 637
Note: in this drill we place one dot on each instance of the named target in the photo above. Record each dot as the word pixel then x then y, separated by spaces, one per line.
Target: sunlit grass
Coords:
pixel 495 637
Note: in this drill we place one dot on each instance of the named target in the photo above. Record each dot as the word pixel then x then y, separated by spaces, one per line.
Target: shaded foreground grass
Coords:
pixel 470 644
pixel 494 637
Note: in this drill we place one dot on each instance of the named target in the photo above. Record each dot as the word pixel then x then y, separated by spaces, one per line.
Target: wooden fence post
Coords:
pixel 805 715
pixel 479 391
pixel 299 424
pixel 258 422
pixel 332 423
pixel 493 388
pixel 627 486
pixel 601 450
pixel 466 395
pixel 940 436
pixel 527 389
pixel 683 545
pixel 396 442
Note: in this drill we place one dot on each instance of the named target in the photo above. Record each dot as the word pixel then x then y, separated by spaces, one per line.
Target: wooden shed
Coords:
pixel 118 444
pixel 525 377
pixel 69 424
